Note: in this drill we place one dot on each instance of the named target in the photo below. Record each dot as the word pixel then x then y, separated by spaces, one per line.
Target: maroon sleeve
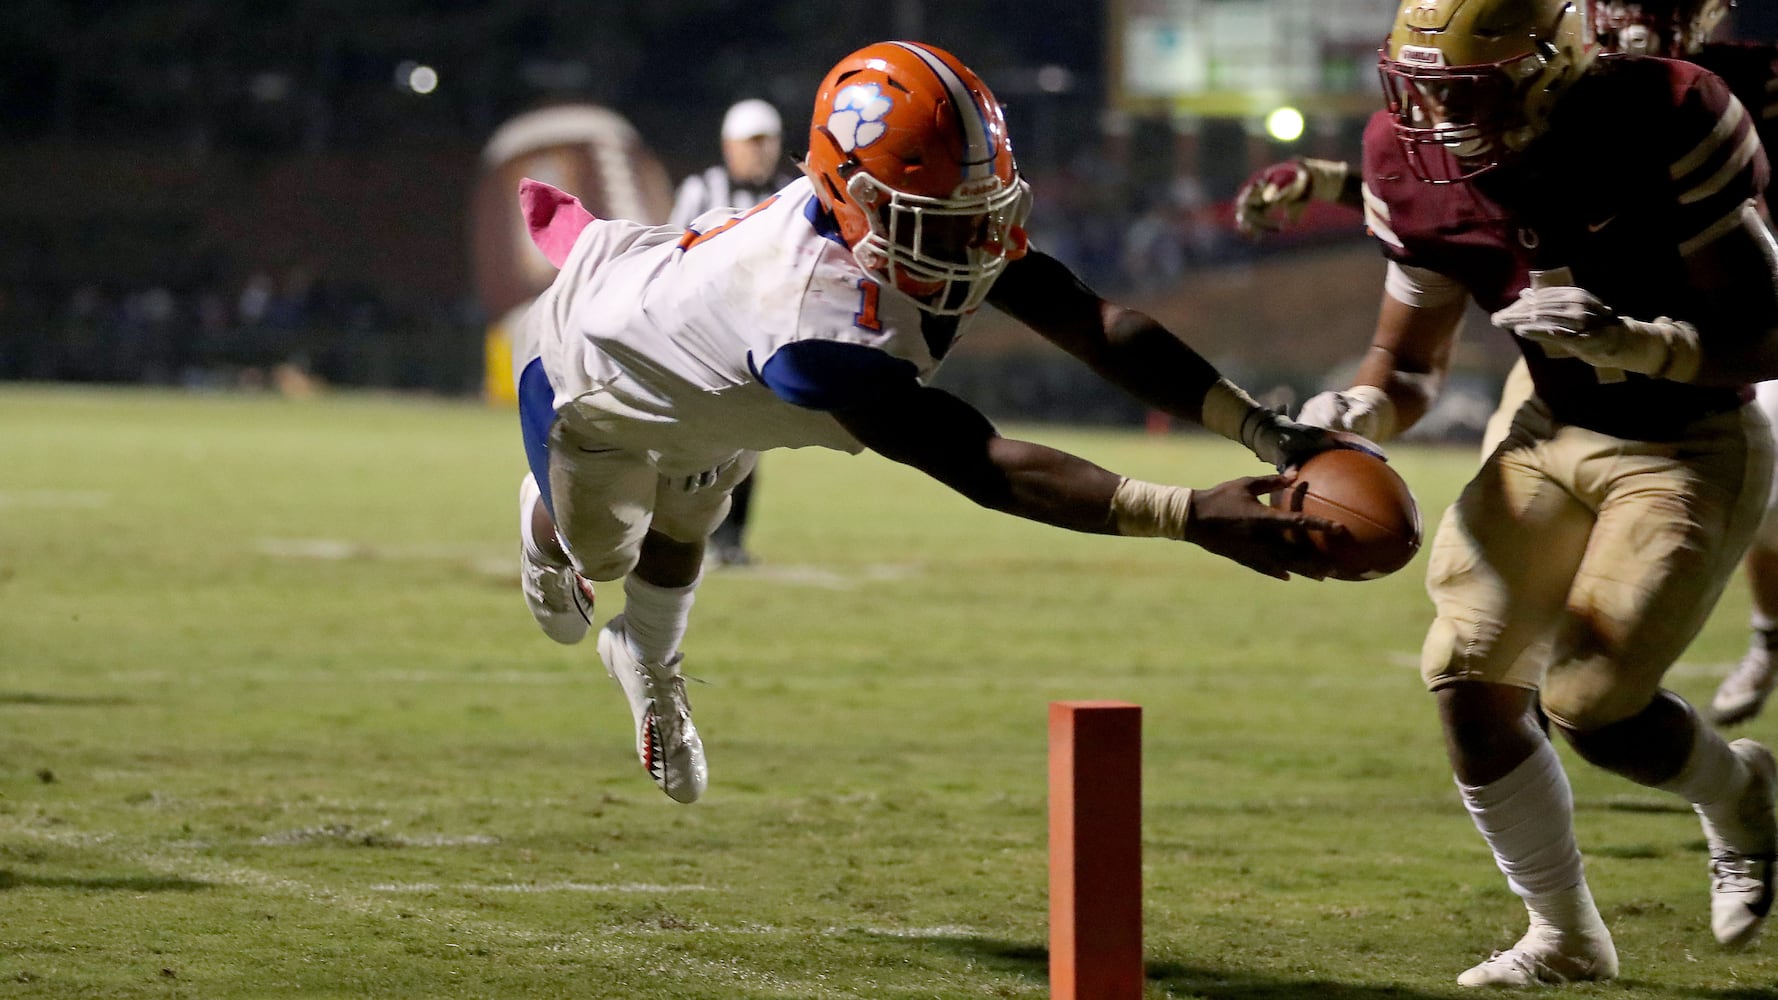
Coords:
pixel 1714 158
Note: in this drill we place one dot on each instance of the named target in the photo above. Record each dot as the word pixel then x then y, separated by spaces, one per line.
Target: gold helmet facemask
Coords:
pixel 1471 82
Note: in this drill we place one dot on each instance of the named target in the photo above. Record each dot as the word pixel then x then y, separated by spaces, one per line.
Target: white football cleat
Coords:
pixel 1744 691
pixel 666 741
pixel 1741 853
pixel 1546 955
pixel 560 599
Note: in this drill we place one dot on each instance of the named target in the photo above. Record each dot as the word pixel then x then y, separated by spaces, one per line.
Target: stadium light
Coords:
pixel 1285 124
pixel 423 80
pixel 417 77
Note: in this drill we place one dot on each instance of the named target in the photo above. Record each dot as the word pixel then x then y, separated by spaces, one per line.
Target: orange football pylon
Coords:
pixel 1095 850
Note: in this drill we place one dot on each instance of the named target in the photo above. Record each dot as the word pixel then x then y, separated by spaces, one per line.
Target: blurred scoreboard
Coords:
pixel 1241 58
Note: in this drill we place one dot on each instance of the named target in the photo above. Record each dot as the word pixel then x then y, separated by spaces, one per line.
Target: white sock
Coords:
pixel 1570 913
pixel 1712 780
pixel 1527 818
pixel 1764 627
pixel 656 617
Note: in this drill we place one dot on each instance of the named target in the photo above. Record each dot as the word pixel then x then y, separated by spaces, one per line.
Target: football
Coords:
pixel 1360 492
pixel 590 152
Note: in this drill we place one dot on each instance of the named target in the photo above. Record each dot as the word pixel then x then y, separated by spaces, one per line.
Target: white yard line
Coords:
pixel 83 499
pixel 616 888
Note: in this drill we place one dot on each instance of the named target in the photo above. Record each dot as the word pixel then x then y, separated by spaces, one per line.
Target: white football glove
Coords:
pixel 1364 410
pixel 1276 439
pixel 1287 443
pixel 1569 320
pixel 1278 194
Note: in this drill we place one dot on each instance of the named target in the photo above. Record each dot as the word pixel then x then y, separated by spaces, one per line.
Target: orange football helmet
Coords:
pixel 908 149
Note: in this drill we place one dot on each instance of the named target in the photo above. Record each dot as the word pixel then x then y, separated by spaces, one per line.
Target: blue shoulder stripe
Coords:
pixel 830 375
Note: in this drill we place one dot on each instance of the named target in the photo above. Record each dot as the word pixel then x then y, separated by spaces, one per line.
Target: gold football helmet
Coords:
pixel 1471 82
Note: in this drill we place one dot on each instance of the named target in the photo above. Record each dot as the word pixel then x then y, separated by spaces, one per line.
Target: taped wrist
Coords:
pixel 1375 419
pixel 1229 411
pixel 1672 349
pixel 1327 178
pixel 1150 510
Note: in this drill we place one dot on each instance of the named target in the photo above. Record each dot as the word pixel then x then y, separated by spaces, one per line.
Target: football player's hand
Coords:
pixel 1234 521
pixel 1288 443
pixel 1277 195
pixel 1364 410
pixel 1569 320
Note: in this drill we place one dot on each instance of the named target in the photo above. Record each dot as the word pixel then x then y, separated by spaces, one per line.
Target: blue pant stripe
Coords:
pixel 537 413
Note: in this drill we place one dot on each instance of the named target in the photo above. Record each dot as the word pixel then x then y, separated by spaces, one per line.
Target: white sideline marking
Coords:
pixel 86 499
pixel 341 832
pixel 539 887
pixel 827 579
pixel 943 931
pixel 636 944
pixel 340 548
pixel 478 556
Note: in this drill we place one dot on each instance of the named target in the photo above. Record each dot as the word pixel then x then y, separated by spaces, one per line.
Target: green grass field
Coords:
pixel 274 723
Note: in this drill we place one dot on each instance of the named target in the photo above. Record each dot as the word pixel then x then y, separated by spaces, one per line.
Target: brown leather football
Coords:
pixel 590 152
pixel 1360 492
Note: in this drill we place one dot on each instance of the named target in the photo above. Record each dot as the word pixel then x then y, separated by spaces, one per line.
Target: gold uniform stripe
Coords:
pixel 1737 162
pixel 1725 129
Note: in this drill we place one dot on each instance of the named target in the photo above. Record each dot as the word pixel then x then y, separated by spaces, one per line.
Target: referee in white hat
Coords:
pixel 752 167
pixel 752 170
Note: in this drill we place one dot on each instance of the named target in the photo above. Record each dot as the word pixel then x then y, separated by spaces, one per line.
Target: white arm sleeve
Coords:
pixel 1421 288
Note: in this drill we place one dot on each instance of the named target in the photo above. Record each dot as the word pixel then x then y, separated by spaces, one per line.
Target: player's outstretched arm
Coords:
pixel 1142 357
pixel 951 441
pixel 1276 196
pixel 1402 372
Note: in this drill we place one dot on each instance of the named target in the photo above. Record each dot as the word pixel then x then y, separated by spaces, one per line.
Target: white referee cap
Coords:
pixel 750 118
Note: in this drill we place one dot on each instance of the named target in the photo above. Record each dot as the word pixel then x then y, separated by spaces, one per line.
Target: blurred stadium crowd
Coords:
pixel 183 185
pixel 196 193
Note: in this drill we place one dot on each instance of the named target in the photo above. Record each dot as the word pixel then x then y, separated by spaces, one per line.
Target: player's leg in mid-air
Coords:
pixel 1744 691
pixel 621 517
pixel 1520 552
pixel 560 599
pixel 728 543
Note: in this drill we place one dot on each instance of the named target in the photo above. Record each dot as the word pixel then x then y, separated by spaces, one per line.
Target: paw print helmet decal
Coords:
pixel 908 149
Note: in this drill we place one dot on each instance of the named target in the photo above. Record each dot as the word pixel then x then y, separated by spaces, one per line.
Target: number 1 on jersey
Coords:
pixel 866 316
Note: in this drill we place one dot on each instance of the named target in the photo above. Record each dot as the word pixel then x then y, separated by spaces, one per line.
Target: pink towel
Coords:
pixel 554 217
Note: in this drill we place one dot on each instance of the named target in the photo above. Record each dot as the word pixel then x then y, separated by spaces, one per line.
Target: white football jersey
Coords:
pixel 653 337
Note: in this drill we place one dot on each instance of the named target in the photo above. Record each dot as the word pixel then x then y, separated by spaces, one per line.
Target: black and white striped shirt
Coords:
pixel 713 188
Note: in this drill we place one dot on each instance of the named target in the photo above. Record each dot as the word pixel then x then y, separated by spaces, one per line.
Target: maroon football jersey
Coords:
pixel 1645 159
